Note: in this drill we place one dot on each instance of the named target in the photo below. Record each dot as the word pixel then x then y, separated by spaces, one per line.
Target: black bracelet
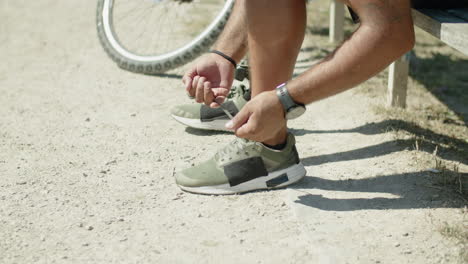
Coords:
pixel 231 60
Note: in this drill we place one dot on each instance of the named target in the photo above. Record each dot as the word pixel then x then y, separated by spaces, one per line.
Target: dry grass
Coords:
pixel 451 177
pixel 459 234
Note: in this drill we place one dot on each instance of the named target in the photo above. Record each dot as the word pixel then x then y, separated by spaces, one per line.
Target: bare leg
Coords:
pixel 275 33
pixel 233 39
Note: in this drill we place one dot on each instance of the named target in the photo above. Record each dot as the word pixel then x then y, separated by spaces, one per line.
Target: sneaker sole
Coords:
pixel 218 125
pixel 294 174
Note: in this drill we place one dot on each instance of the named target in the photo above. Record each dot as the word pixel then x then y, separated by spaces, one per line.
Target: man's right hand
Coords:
pixel 210 77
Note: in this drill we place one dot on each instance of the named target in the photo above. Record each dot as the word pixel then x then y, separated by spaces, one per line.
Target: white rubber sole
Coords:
pixel 218 125
pixel 294 173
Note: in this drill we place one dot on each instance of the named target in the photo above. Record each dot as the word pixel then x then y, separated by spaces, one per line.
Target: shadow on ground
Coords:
pixel 203 133
pixel 167 75
pixel 413 190
pixel 419 189
pixel 449 148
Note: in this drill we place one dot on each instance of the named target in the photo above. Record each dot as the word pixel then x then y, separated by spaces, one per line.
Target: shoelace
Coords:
pixel 237 146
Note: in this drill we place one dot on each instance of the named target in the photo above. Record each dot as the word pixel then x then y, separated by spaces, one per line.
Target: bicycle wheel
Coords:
pixel 154 36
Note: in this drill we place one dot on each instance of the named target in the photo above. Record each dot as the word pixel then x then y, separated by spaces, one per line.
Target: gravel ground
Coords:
pixel 88 154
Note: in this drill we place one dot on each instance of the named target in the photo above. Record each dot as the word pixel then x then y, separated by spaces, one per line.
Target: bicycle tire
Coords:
pixel 148 64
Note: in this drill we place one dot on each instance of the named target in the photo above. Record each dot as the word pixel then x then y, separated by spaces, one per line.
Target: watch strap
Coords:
pixel 284 97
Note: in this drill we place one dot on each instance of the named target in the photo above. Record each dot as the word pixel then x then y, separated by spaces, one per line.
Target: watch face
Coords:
pixel 295 112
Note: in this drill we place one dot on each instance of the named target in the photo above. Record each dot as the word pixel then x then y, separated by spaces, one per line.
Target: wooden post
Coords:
pixel 398 81
pixel 336 21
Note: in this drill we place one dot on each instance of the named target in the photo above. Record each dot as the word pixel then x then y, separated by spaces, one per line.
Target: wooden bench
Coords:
pixel 450 26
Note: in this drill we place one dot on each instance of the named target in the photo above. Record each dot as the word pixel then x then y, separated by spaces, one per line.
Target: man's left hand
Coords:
pixel 260 119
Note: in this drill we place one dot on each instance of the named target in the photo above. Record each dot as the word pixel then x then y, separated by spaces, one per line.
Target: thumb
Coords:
pixel 220 95
pixel 239 120
pixel 220 91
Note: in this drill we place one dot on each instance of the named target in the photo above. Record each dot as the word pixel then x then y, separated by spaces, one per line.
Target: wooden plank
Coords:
pixel 397 82
pixel 450 29
pixel 336 21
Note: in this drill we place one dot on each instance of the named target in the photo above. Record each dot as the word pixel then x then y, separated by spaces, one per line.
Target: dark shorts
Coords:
pixel 439 4
pixel 433 4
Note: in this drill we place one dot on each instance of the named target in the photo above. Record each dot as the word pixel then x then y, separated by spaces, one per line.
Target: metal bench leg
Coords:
pixel 398 81
pixel 336 21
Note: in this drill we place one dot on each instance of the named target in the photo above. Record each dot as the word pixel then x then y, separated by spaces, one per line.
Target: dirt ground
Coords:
pixel 88 154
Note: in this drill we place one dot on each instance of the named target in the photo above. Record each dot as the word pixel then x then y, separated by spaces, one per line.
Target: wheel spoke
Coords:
pixel 153 28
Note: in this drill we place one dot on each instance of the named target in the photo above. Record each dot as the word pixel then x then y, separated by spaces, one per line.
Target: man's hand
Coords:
pixel 210 77
pixel 260 119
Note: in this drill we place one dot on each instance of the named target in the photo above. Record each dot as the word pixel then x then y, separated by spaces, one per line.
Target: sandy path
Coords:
pixel 88 153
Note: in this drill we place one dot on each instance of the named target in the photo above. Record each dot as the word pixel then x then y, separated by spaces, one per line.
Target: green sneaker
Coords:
pixel 204 117
pixel 244 166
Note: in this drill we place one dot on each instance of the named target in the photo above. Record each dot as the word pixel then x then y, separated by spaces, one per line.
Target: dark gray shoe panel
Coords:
pixel 278 180
pixel 209 114
pixel 245 170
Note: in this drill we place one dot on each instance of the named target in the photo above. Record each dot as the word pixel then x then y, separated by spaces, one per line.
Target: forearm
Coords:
pixel 233 39
pixel 371 48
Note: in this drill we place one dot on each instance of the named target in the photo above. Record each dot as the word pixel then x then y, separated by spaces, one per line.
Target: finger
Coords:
pixel 214 105
pixel 239 119
pixel 193 87
pixel 199 96
pixel 187 79
pixel 207 93
pixel 218 101
pixel 248 129
pixel 223 92
pixel 187 83
pixel 220 95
